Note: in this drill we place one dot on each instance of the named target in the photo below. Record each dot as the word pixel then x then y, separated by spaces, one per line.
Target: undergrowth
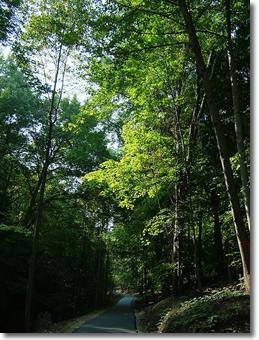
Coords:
pixel 201 313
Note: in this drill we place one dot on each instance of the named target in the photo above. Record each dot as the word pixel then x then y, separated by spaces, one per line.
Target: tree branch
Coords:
pixel 150 48
pixel 149 12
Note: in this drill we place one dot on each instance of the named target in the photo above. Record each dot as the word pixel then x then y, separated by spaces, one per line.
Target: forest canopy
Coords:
pixel 125 151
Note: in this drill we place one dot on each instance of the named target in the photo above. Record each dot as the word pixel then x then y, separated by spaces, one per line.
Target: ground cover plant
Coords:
pixel 217 312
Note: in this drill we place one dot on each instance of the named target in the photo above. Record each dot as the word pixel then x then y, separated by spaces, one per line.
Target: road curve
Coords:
pixel 118 319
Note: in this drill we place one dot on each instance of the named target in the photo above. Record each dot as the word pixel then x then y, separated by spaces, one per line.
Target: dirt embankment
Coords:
pixel 149 316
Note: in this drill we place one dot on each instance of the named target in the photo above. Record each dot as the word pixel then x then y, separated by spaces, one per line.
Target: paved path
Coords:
pixel 118 319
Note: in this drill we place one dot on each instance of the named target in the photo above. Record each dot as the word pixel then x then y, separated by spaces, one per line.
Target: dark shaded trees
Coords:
pixel 236 107
pixel 222 146
pixel 74 145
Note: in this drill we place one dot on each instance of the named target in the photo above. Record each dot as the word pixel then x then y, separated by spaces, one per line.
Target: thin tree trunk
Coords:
pixel 98 278
pixel 76 280
pixel 30 283
pixel 106 277
pixel 177 247
pixel 219 257
pixel 199 251
pixel 197 272
pixel 180 196
pixel 229 259
pixel 238 122
pixel 32 202
pixel 145 276
pixel 222 147
pixel 188 260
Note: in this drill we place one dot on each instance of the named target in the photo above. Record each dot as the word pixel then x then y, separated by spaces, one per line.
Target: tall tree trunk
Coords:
pixel 31 207
pixel 196 266
pixel 175 246
pixel 98 278
pixel 51 122
pixel 238 122
pixel 28 305
pixel 177 242
pixel 222 147
pixel 76 280
pixel 229 260
pixel 187 264
pixel 180 197
pixel 106 276
pixel 145 276
pixel 199 251
pixel 219 258
pixel 159 260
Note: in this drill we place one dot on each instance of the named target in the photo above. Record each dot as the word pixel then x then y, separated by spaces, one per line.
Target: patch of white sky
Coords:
pixel 45 63
pixel 74 85
pixel 5 50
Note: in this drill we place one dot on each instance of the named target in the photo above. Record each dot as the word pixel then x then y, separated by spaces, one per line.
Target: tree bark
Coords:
pixel 238 122
pixel 222 147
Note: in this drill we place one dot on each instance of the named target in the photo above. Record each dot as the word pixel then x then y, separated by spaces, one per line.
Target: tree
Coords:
pixel 236 106
pixel 138 38
pixel 78 145
pixel 20 112
pixel 155 88
pixel 222 146
pixel 44 38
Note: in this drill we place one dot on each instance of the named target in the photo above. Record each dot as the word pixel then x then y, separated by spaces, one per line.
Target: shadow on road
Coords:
pixel 118 319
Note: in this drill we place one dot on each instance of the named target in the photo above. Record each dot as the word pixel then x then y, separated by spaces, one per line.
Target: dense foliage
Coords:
pixel 138 185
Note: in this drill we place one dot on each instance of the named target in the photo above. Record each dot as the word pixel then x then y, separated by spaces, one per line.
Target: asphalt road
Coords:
pixel 118 319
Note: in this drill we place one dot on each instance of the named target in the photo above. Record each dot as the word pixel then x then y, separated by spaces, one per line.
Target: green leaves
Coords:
pixel 143 170
pixel 15 229
pixel 8 10
pixel 50 21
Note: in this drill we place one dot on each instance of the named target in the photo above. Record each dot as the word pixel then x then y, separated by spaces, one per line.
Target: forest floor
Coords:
pixel 220 309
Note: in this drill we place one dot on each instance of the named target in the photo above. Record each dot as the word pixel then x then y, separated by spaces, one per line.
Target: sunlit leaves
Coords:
pixel 146 166
pixel 51 20
pixel 86 140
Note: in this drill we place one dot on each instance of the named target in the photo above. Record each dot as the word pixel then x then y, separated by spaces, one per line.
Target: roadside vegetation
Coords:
pixel 221 309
